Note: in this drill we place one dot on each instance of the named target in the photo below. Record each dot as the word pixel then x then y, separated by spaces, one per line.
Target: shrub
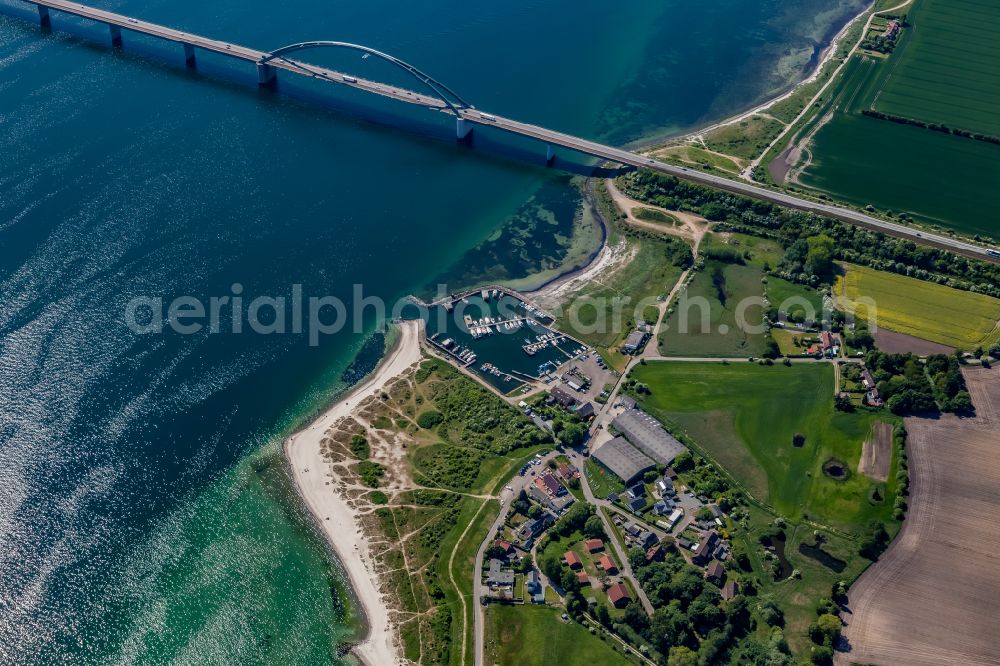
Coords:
pixel 429 419
pixel 360 448
pixel 370 472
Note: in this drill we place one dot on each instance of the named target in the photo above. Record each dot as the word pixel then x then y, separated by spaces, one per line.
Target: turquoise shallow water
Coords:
pixel 144 513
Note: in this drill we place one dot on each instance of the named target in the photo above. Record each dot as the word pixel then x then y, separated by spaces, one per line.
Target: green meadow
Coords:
pixel 746 416
pixel 704 321
pixel 947 66
pixel 535 636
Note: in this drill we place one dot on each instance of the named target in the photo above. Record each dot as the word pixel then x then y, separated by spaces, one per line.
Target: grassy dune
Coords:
pixel 924 310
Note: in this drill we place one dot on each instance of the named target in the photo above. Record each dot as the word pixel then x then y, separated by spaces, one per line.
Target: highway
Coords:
pixel 469 114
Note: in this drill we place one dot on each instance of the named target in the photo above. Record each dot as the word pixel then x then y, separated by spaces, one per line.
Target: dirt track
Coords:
pixel 876 454
pixel 934 596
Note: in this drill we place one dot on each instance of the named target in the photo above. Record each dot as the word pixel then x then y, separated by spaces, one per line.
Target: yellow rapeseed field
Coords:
pixel 924 310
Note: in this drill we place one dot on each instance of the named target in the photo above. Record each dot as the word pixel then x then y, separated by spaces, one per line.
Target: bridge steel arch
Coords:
pixel 440 90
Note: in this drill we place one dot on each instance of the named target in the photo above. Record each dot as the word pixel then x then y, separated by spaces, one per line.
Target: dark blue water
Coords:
pixel 144 513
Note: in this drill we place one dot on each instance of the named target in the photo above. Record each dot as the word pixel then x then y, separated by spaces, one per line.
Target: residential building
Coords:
pixel 585 411
pixel 550 485
pixel 647 539
pixel 706 547
pixel 572 560
pixel 619 596
pixel 715 572
pixel 634 343
pixel 730 590
pixel 497 577
pixel 607 564
pixel 594 545
pixel 637 505
pixel 562 398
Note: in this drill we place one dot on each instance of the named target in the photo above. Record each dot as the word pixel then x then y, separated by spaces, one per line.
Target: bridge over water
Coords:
pixel 438 97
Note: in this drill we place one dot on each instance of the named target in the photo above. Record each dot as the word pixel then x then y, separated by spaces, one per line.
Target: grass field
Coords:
pixel 654 215
pixel 924 310
pixel 937 178
pixel 947 66
pixel 758 252
pixel 536 636
pixel 685 334
pixel 690 154
pixel 794 299
pixel 600 313
pixel 745 417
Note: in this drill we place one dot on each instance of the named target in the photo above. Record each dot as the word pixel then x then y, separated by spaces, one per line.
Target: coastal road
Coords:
pixel 626 157
pixel 550 137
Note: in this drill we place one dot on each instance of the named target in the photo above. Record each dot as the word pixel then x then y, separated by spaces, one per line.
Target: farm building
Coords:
pixel 623 460
pixel 648 435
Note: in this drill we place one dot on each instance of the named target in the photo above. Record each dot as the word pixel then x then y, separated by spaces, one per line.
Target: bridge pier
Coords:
pixel 44 19
pixel 189 55
pixel 267 75
pixel 463 129
pixel 550 154
pixel 116 36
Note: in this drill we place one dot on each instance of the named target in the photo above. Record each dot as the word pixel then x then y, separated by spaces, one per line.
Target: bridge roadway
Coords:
pixel 474 116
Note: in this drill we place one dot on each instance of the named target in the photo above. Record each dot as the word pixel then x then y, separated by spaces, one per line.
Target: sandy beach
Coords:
pixel 338 520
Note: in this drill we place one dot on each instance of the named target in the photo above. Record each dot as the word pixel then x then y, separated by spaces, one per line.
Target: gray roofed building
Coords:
pixel 648 436
pixel 497 577
pixel 623 459
pixel 634 342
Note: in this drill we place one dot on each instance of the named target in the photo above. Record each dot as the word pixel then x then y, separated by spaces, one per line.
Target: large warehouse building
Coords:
pixel 623 460
pixel 648 436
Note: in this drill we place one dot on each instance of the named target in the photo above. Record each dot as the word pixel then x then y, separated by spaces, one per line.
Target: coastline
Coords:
pixel 335 518
pixel 829 51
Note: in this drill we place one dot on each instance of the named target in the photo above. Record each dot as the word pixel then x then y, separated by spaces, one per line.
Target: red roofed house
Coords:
pixel 567 472
pixel 505 546
pixel 607 564
pixel 618 595
pixel 594 545
pixel 582 578
pixel 573 560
